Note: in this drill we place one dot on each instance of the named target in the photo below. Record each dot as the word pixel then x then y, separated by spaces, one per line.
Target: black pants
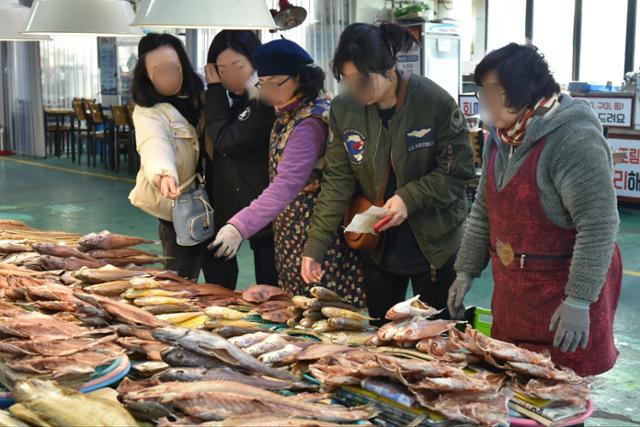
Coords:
pixel 187 261
pixel 225 273
pixel 383 289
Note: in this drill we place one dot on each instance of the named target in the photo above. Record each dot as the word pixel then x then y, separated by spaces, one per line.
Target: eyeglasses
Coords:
pixel 271 86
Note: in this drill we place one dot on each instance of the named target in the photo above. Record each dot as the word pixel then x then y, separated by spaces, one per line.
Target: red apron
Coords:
pixel 531 285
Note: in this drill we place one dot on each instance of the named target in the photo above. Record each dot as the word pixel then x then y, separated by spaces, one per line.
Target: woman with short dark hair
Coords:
pixel 167 93
pixel 545 214
pixel 290 82
pixel 237 133
pixel 413 159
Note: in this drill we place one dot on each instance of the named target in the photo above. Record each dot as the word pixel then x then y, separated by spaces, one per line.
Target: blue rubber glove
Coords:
pixel 571 323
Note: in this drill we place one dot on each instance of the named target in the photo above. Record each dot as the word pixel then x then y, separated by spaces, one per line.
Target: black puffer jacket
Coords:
pixel 237 135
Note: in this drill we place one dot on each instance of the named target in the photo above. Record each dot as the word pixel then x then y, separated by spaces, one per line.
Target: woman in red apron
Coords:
pixel 545 214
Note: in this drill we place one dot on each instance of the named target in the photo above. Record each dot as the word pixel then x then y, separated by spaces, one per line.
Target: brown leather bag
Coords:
pixel 367 242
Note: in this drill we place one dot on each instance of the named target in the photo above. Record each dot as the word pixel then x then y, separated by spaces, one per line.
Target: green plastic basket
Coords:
pixel 482 320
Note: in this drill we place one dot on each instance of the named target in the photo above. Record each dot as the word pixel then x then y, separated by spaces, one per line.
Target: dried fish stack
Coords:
pixel 327 312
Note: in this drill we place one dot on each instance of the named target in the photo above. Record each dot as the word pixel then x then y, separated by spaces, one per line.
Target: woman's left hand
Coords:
pixel 311 270
pixel 397 210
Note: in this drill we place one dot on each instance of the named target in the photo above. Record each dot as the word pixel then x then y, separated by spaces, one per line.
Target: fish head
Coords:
pixel 169 335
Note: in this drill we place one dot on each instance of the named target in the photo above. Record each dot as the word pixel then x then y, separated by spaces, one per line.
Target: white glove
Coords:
pixel 228 241
pixel 457 291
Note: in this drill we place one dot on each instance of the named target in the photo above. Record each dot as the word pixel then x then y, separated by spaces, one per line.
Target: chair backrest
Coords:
pixel 130 107
pixel 78 109
pixel 119 113
pixel 97 115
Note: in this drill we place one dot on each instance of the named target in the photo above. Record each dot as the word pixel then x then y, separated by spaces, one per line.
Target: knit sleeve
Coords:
pixel 580 168
pixel 473 254
pixel 305 146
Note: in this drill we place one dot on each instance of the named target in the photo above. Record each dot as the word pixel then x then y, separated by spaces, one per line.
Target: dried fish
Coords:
pixel 278 316
pixel 324 294
pixel 107 240
pixel 261 293
pixel 301 301
pixel 61 250
pixel 108 273
pixel 284 355
pixel 347 314
pixel 249 339
pixel 122 311
pixel 411 308
pixel 341 323
pixel 110 289
pixel 224 313
pixel 215 346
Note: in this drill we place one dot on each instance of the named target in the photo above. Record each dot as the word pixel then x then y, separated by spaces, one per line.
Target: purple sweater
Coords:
pixel 306 145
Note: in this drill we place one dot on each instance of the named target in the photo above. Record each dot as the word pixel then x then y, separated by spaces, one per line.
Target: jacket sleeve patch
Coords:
pixel 355 143
pixel 420 137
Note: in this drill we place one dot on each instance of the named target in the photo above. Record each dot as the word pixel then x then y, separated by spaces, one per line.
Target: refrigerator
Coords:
pixel 437 57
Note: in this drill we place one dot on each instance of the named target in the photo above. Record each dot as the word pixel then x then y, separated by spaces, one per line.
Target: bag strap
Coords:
pixel 402 96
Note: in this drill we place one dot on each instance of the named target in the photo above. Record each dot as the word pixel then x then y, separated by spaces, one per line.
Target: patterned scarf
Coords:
pixel 514 135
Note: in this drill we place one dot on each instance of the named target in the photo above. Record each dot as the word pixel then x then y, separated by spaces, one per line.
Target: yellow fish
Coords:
pixel 141 302
pixel 215 312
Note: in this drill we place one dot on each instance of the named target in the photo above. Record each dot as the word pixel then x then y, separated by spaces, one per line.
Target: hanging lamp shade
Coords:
pixel 13 17
pixel 229 14
pixel 107 18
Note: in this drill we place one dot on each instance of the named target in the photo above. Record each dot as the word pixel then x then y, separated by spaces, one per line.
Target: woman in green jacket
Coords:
pixel 424 146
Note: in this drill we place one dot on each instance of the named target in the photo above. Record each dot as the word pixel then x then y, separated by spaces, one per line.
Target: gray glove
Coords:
pixel 457 291
pixel 571 320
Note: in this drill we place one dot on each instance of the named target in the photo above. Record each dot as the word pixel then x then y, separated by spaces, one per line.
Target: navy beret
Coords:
pixel 280 57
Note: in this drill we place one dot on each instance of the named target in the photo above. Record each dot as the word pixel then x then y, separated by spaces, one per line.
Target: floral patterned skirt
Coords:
pixel 342 266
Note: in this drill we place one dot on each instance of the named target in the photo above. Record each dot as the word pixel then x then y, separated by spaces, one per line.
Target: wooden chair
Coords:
pixel 79 126
pixel 98 131
pixel 134 165
pixel 121 134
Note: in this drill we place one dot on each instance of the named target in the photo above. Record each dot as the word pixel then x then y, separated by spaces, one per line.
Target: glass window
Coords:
pixel 69 70
pixel 553 35
pixel 506 23
pixel 603 39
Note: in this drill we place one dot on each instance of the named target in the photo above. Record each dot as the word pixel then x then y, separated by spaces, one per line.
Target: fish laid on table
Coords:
pixel 284 355
pixel 175 318
pixel 420 328
pixel 33 325
pixel 117 253
pixel 108 273
pixel 341 323
pixel 221 323
pixel 195 322
pixel 13 246
pixel 214 400
pixel 222 374
pixel 107 240
pixel 122 311
pixel 170 308
pixel 81 364
pixel 216 312
pixel 301 301
pixel 325 294
pixel 271 306
pixel 48 262
pixel 150 348
pixel 271 343
pixel 159 300
pixel 8 420
pixel 56 347
pixel 558 392
pixel 247 340
pixel 319 304
pixel 61 250
pixel 140 293
pixel 278 316
pixel 318 351
pixel 411 308
pixel 313 315
pixel 180 357
pixel 477 383
pixel 213 345
pixel 444 350
pixel 56 406
pixel 347 314
pixel 110 289
pixel 138 260
pixel 235 331
pixel 352 338
pixel 490 409
pixel 20 258
pixel 261 293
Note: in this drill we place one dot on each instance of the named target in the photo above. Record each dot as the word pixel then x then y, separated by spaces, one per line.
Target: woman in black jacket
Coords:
pixel 237 144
